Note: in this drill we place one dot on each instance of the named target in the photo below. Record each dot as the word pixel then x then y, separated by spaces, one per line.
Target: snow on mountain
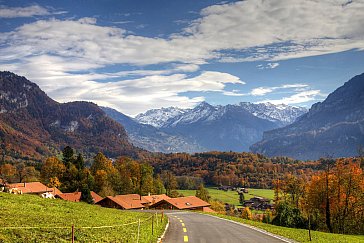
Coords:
pixel 201 112
pixel 283 114
pixel 158 117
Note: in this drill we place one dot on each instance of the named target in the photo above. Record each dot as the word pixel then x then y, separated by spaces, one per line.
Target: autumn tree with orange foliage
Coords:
pixel 336 197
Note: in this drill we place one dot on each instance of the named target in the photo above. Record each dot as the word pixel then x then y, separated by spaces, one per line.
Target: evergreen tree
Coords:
pixel 203 193
pixel 67 156
pixel 80 163
pixel 86 195
pixel 241 198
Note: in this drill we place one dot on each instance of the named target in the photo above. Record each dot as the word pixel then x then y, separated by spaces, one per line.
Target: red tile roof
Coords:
pixel 155 198
pixel 34 188
pixel 190 202
pixel 76 196
pixel 129 201
pixel 187 202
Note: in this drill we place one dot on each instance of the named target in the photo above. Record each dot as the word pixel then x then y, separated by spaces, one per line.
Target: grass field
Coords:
pixel 28 210
pixel 232 197
pixel 300 235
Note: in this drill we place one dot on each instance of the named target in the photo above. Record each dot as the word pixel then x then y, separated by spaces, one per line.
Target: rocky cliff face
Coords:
pixel 33 125
pixel 334 127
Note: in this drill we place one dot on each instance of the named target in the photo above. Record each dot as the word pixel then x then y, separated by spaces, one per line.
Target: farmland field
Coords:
pixel 30 211
pixel 232 197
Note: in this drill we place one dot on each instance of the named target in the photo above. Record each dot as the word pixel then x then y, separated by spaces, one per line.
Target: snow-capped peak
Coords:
pixel 172 116
pixel 158 117
pixel 281 113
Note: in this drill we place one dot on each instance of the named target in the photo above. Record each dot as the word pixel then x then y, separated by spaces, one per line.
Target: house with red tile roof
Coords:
pixel 129 201
pixel 76 196
pixel 152 199
pixel 182 203
pixel 33 188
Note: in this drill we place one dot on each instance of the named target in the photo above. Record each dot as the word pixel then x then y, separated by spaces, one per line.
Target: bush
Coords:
pixel 288 216
pixel 246 214
pixel 267 217
pixel 217 206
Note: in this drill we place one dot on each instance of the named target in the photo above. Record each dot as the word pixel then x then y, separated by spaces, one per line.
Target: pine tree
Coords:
pixel 241 198
pixel 80 163
pixel 203 193
pixel 67 156
pixel 86 195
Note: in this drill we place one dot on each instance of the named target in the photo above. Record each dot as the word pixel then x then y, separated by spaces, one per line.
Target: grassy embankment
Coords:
pixel 232 197
pixel 300 235
pixel 29 210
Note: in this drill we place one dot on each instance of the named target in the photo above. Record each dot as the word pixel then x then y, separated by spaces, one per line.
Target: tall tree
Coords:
pixel 203 193
pixel 101 162
pixel 68 156
pixel 80 162
pixel 169 181
pixel 51 168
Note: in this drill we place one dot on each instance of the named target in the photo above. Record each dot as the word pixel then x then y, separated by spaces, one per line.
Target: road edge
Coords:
pixel 165 230
pixel 256 229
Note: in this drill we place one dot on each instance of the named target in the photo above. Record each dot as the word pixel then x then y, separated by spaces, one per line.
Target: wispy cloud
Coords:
pixel 299 98
pixel 260 91
pixel 270 65
pixel 130 96
pixel 51 51
pixel 34 10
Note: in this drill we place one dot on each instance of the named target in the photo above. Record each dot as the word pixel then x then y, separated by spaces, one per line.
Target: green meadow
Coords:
pixel 55 218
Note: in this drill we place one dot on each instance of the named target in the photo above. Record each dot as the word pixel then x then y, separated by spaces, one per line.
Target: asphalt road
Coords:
pixel 198 228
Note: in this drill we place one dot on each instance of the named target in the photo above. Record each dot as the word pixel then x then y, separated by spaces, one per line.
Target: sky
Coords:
pixel 136 55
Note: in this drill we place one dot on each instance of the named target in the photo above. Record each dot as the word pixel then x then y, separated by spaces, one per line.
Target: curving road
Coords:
pixel 199 228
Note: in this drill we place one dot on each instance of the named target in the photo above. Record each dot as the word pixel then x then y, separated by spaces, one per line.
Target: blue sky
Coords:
pixel 139 55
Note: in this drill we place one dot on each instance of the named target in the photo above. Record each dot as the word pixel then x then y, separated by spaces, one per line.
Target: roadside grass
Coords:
pixel 30 210
pixel 299 235
pixel 232 197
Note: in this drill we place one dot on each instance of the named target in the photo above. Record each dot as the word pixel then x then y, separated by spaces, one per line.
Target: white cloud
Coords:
pixel 130 96
pixel 51 51
pixel 270 65
pixel 260 91
pixel 258 30
pixel 34 10
pixel 280 29
pixel 298 98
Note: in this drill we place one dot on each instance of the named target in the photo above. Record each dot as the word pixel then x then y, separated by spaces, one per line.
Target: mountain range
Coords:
pixel 32 125
pixel 205 127
pixel 332 128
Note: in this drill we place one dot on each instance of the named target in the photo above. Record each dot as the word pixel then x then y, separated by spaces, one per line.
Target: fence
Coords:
pixel 73 228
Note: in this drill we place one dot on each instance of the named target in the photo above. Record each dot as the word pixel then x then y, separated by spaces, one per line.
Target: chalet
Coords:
pixel 258 203
pixel 33 188
pixel 129 201
pixel 152 199
pixel 182 203
pixel 76 196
